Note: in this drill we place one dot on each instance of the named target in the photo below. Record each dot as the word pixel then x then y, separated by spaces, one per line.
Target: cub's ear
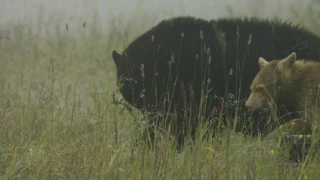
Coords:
pixel 289 61
pixel 116 57
pixel 262 62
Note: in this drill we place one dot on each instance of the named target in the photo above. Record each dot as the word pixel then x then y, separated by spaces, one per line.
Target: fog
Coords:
pixel 139 11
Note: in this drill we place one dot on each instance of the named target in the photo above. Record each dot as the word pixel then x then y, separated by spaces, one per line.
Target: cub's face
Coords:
pixel 262 88
pixel 269 82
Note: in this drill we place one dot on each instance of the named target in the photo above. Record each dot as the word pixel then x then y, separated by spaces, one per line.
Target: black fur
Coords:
pixel 177 72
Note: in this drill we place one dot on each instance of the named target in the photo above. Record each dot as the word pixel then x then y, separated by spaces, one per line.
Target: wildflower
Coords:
pixel 249 41
pixel 142 70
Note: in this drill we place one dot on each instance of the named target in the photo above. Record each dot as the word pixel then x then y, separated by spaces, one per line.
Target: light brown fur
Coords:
pixel 290 82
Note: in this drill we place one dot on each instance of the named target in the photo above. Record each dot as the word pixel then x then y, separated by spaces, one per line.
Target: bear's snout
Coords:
pixel 250 103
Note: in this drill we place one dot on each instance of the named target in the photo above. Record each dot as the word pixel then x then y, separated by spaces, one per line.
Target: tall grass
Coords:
pixel 60 120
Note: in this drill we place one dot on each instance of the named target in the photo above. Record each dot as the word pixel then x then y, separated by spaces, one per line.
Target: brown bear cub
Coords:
pixel 293 83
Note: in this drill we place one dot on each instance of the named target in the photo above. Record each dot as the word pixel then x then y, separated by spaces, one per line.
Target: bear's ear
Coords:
pixel 289 61
pixel 116 57
pixel 262 62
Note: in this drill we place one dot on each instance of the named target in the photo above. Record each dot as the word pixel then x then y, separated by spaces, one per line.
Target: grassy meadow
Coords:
pixel 61 117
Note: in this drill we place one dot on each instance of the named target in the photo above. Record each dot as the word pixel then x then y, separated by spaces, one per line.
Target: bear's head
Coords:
pixel 272 83
pixel 128 79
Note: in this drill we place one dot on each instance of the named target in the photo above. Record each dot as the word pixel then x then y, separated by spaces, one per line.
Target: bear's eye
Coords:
pixel 260 88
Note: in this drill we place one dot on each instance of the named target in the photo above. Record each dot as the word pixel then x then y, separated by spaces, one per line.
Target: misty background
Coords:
pixel 137 12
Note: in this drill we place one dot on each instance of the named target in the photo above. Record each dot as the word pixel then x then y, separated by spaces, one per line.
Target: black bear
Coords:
pixel 191 67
